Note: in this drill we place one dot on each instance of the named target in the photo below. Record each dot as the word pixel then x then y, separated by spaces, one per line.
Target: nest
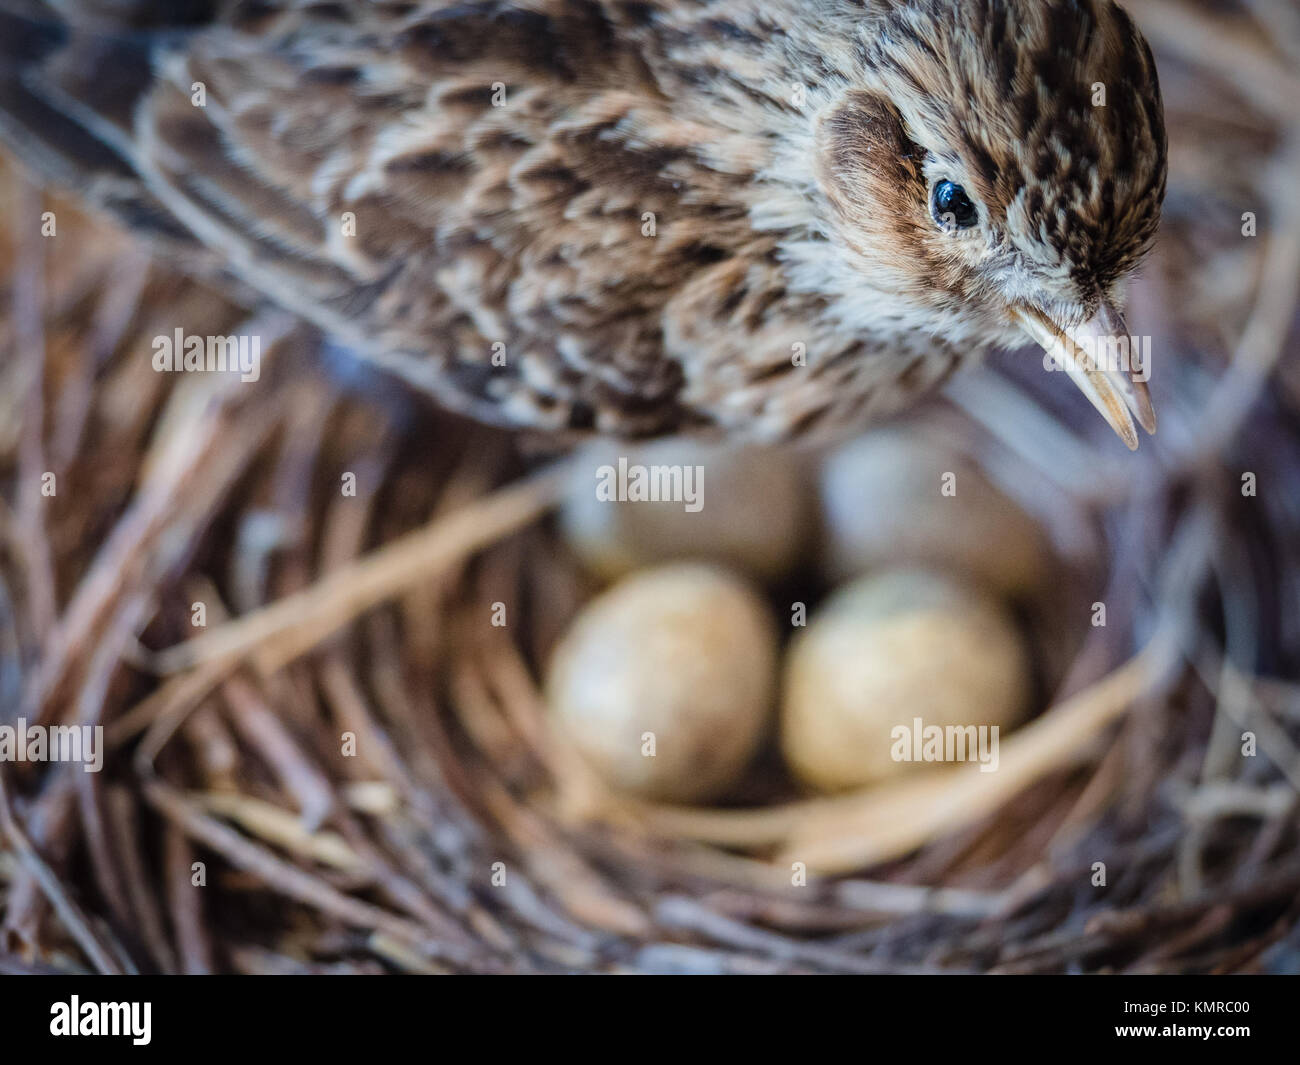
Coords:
pixel 357 770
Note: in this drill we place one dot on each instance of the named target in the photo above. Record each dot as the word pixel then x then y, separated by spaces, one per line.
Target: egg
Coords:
pixel 665 683
pixel 888 657
pixel 746 508
pixel 887 500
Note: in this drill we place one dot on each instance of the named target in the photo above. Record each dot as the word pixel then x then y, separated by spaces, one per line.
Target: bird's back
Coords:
pixel 536 212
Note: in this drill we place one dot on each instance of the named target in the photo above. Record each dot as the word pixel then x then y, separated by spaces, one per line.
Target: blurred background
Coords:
pixel 384 690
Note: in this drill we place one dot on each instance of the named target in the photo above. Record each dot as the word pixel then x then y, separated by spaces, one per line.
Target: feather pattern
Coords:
pixel 634 216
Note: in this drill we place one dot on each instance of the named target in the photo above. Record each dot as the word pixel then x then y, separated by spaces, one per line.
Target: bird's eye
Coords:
pixel 952 207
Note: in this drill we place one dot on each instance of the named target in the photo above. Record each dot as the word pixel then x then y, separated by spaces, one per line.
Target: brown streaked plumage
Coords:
pixel 505 160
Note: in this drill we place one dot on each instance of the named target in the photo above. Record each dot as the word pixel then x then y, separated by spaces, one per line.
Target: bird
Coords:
pixel 761 220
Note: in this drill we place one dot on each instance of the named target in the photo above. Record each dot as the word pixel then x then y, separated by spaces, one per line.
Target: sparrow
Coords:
pixel 635 217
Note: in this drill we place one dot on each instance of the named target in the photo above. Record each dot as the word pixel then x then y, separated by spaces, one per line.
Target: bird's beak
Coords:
pixel 1118 391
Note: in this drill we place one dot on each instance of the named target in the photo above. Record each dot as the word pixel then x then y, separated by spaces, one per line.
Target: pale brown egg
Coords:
pixel 665 683
pixel 898 497
pixel 885 653
pixel 747 508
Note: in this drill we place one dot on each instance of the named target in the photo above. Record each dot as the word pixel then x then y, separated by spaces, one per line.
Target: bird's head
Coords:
pixel 1002 173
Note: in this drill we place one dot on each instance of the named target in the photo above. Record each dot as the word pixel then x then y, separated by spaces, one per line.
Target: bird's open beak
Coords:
pixel 1119 391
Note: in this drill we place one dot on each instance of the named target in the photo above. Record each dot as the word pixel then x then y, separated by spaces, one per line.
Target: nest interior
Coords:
pixel 345 767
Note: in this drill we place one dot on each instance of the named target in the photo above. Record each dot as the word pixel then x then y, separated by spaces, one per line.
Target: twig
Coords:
pixel 279 633
pixel 100 954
